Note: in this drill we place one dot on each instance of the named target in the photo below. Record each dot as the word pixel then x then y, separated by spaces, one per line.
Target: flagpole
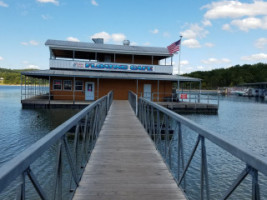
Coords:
pixel 179 66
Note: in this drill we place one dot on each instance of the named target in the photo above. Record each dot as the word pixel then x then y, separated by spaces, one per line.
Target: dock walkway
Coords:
pixel 125 163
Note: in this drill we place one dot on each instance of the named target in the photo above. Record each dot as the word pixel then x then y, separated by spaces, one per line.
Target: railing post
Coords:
pixel 255 185
pixel 180 152
pixel 204 170
pixel 36 185
pixel 49 89
pixel 21 188
pixel 136 105
pixel 58 184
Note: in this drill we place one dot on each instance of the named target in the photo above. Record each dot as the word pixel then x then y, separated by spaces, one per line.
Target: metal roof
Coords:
pixel 108 75
pixel 108 48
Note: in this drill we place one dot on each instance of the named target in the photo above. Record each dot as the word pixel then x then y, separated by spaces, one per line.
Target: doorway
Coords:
pixel 147 91
pixel 90 91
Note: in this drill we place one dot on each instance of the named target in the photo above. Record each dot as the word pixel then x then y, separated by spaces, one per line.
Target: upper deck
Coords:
pixel 108 57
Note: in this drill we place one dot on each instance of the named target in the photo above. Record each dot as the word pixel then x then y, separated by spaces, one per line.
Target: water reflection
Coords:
pixel 22 127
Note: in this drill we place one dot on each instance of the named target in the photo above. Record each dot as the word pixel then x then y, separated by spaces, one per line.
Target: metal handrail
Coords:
pixel 191 97
pixel 90 118
pixel 149 115
pixel 132 97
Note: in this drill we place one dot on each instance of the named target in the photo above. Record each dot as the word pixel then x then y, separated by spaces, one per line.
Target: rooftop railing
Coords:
pixel 71 145
pixel 109 66
pixel 190 151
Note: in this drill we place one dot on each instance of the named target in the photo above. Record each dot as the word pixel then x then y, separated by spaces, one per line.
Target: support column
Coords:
pixel 49 85
pixel 158 92
pixel 152 60
pixel 97 88
pixel 25 90
pixel 34 86
pixel 137 87
pixel 199 92
pixel 114 57
pixel 190 92
pixel 20 87
pixel 73 90
pixel 132 58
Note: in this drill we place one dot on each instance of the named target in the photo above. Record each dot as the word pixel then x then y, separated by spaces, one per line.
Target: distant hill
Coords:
pixel 11 76
pixel 232 76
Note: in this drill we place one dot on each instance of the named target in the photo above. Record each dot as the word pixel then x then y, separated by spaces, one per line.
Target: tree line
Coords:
pixel 233 76
pixel 11 76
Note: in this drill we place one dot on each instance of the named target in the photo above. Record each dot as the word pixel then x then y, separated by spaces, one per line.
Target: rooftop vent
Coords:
pixel 98 40
pixel 126 42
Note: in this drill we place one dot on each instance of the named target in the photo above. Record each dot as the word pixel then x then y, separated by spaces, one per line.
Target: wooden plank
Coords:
pixel 125 163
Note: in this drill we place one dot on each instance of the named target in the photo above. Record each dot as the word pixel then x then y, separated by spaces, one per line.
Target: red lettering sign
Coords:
pixel 183 96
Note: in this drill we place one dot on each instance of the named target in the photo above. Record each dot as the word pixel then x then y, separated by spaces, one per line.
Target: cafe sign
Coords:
pixel 112 66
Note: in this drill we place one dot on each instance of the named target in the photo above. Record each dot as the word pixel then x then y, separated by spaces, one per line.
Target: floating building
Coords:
pixel 83 71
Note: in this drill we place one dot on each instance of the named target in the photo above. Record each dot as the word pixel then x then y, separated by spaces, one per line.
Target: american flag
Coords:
pixel 174 47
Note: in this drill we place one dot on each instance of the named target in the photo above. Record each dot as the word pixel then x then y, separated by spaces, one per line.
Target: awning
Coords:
pixel 107 75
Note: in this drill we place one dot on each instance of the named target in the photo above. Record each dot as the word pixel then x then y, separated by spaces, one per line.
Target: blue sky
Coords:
pixel 216 34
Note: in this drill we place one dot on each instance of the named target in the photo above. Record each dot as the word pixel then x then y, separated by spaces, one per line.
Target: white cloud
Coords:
pixel 184 62
pixel 49 1
pixel 200 67
pixel 134 43
pixel 155 31
pixel 206 22
pixel 234 9
pixel 3 4
pixel 93 2
pixel 195 31
pixel 73 39
pixel 32 67
pixel 115 37
pixel 226 27
pixel 191 43
pixel 250 23
pixel 31 42
pixel 261 43
pixel 255 57
pixel 208 44
pixel 118 37
pixel 216 61
pixel 1 58
pixel 106 36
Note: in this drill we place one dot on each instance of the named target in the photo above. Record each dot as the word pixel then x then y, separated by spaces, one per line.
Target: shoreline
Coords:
pixel 9 85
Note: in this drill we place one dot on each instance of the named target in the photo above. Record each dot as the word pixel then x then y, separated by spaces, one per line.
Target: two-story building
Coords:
pixel 86 71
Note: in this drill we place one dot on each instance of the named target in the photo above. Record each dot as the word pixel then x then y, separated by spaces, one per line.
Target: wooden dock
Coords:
pixel 125 163
pixel 188 107
pixel 44 103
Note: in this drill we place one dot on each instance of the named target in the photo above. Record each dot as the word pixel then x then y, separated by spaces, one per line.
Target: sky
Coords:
pixel 215 34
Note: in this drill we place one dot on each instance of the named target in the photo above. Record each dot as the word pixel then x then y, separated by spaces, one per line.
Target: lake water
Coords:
pixel 240 120
pixel 19 128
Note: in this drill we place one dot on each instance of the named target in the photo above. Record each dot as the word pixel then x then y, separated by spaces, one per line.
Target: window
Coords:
pixel 67 85
pixel 79 85
pixel 57 85
pixel 107 58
